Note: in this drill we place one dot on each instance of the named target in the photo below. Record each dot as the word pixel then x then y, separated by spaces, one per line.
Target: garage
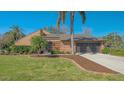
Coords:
pixel 88 47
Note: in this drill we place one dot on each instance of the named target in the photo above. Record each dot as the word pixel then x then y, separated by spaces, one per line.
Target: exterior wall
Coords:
pixel 65 47
pixel 56 45
pixel 53 45
pixel 102 47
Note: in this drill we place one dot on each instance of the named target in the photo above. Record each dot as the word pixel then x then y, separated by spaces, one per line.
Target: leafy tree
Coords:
pixel 38 44
pixel 10 37
pixel 51 29
pixel 16 32
pixel 87 32
pixel 113 40
pixel 62 17
pixel 0 41
pixel 54 30
pixel 122 37
pixel 64 29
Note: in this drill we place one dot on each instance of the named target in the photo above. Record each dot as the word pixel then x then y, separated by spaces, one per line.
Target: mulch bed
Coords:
pixel 84 63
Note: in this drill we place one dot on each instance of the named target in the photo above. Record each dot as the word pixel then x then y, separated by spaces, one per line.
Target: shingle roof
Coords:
pixel 26 41
pixel 76 37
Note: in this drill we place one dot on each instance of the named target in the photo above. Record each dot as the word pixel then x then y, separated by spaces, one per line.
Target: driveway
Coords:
pixel 112 62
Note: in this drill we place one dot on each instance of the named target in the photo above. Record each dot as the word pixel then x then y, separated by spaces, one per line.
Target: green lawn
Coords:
pixel 28 68
pixel 117 52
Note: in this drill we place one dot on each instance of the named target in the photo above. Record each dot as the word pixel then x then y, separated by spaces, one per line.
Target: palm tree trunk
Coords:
pixel 72 32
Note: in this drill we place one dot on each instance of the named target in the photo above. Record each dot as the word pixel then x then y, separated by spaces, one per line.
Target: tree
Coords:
pixel 0 41
pixel 16 31
pixel 113 40
pixel 62 17
pixel 64 29
pixel 11 36
pixel 38 44
pixel 87 32
pixel 54 30
pixel 122 40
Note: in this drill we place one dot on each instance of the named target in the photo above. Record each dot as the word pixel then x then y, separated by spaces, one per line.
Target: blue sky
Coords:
pixel 100 23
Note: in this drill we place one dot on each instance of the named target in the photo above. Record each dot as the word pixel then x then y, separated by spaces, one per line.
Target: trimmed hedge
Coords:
pixel 21 49
pixel 56 52
pixel 106 50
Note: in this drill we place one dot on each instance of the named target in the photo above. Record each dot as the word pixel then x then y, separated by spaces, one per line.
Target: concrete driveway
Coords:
pixel 112 62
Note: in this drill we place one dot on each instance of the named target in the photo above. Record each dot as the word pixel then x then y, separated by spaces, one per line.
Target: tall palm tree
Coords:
pixel 62 17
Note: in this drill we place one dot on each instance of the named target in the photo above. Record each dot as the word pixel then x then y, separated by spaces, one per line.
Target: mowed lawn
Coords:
pixel 29 68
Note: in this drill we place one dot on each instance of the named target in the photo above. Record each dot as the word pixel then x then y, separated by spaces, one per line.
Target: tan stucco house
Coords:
pixel 61 42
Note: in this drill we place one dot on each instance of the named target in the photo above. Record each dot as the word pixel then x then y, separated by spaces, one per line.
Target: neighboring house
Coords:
pixel 61 42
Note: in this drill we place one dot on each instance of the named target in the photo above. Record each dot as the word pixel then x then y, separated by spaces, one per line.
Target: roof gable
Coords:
pixel 26 41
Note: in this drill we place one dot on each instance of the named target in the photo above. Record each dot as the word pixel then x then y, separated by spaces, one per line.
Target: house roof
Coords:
pixel 26 41
pixel 76 37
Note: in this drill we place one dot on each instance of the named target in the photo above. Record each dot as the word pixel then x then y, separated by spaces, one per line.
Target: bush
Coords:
pixel 56 52
pixel 1 52
pixel 106 50
pixel 68 52
pixel 38 44
pixel 4 52
pixel 20 49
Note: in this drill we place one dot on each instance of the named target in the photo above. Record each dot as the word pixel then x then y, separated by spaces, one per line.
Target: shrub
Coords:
pixel 106 50
pixel 2 52
pixel 20 49
pixel 68 52
pixel 113 51
pixel 56 52
pixel 38 44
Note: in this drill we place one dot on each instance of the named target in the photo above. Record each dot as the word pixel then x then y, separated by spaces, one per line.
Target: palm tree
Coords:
pixel 62 17
pixel 16 32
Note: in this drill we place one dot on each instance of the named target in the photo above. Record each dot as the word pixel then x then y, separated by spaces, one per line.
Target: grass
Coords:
pixel 28 68
pixel 116 52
